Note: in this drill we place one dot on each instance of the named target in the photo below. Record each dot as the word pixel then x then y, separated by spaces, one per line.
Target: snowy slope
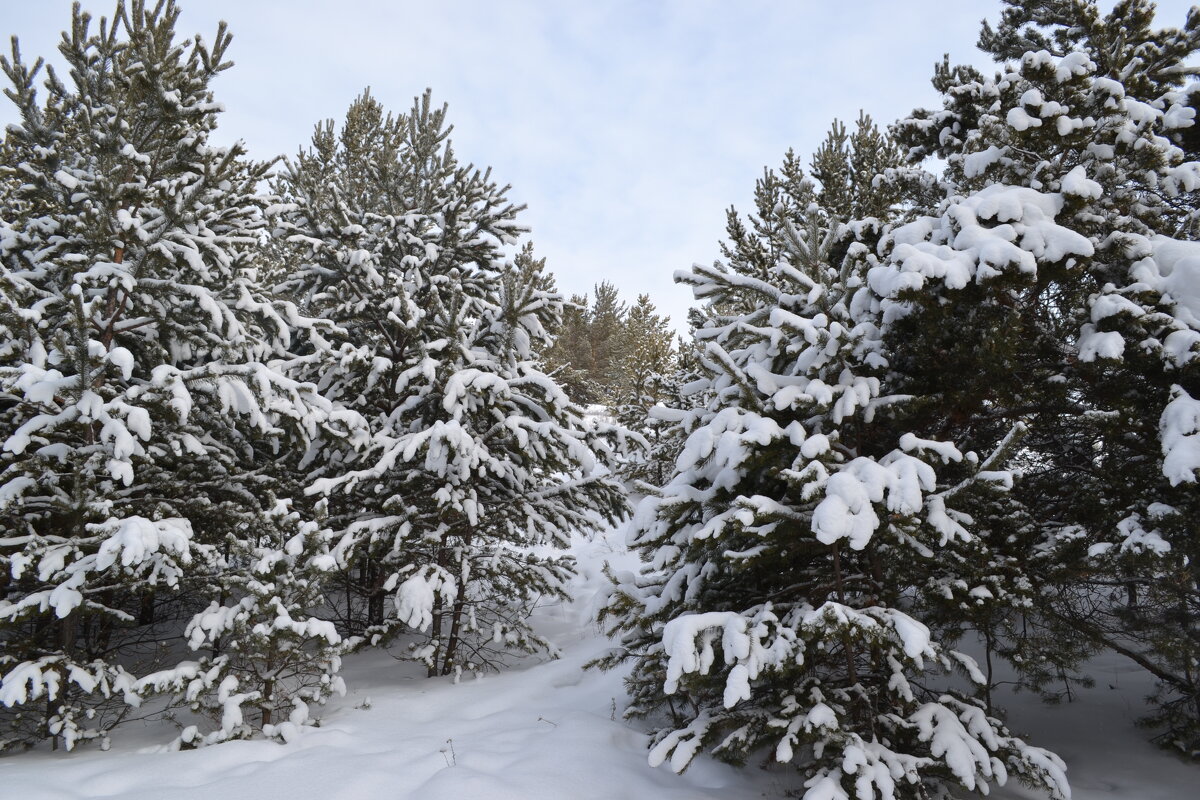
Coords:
pixel 542 731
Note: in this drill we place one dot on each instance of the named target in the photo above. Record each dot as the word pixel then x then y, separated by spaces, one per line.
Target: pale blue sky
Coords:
pixel 627 127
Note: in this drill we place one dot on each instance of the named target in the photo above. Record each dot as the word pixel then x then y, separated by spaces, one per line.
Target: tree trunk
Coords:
pixel 456 616
pixel 847 643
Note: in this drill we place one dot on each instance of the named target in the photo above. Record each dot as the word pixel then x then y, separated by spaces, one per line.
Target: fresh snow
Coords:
pixel 980 236
pixel 540 730
pixel 1108 756
pixel 548 731
pixel 1176 273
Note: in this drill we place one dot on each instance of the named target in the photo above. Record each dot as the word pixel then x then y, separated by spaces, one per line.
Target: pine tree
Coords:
pixel 606 322
pixel 845 167
pixel 569 358
pixel 807 534
pixel 589 350
pixel 645 380
pixel 1056 277
pixel 476 456
pixel 271 653
pixel 137 365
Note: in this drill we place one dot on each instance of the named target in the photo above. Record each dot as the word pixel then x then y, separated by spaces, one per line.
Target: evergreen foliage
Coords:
pixel 806 535
pixel 604 348
pixel 244 433
pixel 476 458
pixel 569 358
pixel 622 357
pixel 1052 278
pixel 141 382
pixel 646 379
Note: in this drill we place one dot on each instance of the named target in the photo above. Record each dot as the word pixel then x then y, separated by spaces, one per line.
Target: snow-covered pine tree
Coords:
pixel 479 466
pixel 671 422
pixel 1055 286
pixel 265 649
pixel 136 366
pixel 805 534
pixel 645 379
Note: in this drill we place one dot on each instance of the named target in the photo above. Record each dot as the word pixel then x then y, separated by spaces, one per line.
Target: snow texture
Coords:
pixel 979 237
pixel 545 732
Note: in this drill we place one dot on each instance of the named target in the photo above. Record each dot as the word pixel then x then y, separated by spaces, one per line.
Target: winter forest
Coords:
pixel 313 483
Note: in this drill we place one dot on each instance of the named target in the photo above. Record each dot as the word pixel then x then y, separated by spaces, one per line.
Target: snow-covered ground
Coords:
pixel 1108 756
pixel 542 731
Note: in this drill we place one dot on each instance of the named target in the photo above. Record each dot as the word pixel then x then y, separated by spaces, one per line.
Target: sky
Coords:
pixel 628 128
